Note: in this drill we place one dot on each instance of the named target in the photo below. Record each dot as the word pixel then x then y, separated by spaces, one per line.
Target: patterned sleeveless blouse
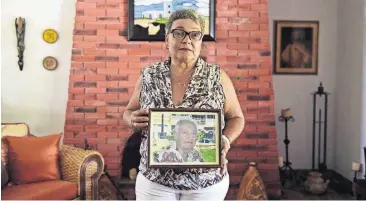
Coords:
pixel 204 91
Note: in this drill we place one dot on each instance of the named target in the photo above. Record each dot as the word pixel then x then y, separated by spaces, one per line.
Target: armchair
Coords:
pixel 83 167
pixel 79 171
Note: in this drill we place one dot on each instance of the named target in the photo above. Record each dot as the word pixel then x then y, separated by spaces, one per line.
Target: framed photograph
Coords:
pixel 296 47
pixel 147 18
pixel 184 138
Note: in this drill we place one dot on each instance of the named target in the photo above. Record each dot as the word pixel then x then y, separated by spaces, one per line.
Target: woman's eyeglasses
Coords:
pixel 180 34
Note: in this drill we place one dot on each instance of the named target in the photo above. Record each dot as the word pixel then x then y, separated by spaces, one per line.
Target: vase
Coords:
pixel 252 186
pixel 315 184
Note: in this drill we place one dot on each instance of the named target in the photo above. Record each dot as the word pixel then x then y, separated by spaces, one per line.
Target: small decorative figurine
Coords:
pixel 20 32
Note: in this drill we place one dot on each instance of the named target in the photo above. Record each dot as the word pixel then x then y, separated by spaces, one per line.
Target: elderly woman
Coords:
pixel 184 80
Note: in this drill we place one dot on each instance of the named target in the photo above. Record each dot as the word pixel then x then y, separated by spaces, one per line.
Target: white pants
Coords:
pixel 148 190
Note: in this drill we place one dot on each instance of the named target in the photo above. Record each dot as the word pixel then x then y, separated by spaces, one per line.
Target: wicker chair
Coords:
pixel 83 167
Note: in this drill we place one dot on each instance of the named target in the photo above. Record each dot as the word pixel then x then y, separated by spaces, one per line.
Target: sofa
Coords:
pixel 41 168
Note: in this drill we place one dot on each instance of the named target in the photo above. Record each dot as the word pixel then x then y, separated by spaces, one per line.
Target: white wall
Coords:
pixel 293 91
pixel 364 90
pixel 349 85
pixel 35 95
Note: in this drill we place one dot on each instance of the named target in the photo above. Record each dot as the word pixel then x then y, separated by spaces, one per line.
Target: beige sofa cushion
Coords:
pixel 11 129
pixel 14 129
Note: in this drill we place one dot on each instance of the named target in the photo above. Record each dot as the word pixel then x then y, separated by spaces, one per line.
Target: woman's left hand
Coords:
pixel 224 151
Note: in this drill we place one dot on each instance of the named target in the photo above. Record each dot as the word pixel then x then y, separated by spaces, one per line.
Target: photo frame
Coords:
pixel 295 47
pixel 147 18
pixel 184 138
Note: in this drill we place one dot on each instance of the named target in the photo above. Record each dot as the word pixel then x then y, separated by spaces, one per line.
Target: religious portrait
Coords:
pixel 295 47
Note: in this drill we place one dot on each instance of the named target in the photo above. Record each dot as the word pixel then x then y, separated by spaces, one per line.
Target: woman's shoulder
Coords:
pixel 214 70
pixel 210 68
pixel 154 68
pixel 212 65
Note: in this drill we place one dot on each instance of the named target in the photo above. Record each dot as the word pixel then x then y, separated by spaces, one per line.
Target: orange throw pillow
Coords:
pixel 33 159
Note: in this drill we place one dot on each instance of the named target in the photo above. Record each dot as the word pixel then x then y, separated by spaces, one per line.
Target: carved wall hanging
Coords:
pixel 20 33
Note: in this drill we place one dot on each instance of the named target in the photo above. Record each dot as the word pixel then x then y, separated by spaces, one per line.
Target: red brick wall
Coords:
pixel 105 67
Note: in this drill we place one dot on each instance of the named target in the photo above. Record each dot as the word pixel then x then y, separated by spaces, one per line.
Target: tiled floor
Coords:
pixel 299 193
pixel 295 189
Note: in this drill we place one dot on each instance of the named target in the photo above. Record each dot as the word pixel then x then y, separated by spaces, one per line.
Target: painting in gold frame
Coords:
pixel 295 47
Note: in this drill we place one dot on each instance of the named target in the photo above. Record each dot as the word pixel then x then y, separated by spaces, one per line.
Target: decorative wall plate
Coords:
pixel 50 36
pixel 50 63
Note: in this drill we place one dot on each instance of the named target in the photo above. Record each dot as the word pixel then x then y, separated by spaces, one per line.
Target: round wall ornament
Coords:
pixel 50 63
pixel 50 36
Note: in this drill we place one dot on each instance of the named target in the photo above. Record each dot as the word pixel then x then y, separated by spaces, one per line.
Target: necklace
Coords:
pixel 181 85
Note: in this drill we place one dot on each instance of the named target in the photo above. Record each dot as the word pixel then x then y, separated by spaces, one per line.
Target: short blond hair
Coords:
pixel 185 14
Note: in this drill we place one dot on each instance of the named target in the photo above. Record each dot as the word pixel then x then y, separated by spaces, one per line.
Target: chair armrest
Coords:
pixel 83 167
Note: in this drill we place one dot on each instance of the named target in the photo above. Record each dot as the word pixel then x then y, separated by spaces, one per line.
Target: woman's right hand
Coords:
pixel 139 119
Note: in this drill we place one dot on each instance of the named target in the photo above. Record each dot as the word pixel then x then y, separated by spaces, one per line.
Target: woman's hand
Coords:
pixel 139 119
pixel 224 150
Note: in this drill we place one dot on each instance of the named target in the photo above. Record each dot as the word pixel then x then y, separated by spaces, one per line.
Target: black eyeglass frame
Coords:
pixel 187 33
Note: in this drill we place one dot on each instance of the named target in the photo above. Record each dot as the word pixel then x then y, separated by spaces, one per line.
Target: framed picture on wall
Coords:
pixel 184 138
pixel 147 18
pixel 295 47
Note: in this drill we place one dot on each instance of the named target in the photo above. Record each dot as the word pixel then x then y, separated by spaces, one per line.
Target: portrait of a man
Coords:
pixel 183 148
pixel 296 47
